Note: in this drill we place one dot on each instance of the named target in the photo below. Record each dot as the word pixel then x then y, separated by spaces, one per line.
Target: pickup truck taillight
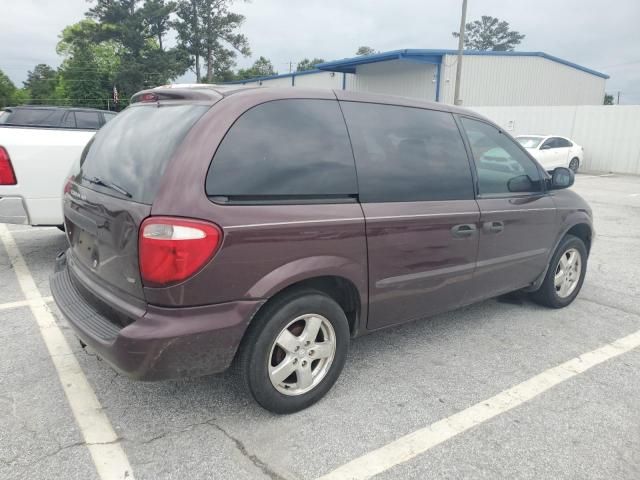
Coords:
pixel 172 249
pixel 7 175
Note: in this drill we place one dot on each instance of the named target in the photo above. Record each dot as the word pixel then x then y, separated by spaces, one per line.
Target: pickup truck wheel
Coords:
pixel 565 274
pixel 294 351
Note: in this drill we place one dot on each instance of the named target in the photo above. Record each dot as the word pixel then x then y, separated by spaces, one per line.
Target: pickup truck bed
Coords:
pixel 41 159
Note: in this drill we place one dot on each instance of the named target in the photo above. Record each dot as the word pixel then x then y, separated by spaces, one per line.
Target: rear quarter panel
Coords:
pixel 265 247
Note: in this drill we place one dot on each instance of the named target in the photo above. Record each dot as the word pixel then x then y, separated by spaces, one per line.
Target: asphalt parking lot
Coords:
pixel 407 379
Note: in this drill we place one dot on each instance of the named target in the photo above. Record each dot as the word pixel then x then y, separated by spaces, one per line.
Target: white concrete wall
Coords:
pixel 610 134
pixel 512 80
pixel 396 77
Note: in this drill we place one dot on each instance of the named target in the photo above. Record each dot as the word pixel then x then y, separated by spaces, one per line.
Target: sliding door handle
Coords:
pixel 464 230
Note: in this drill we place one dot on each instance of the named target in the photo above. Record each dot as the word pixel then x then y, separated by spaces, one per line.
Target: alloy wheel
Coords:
pixel 568 271
pixel 302 354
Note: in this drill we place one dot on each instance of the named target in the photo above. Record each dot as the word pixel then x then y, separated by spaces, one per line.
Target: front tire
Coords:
pixel 565 274
pixel 294 351
pixel 574 164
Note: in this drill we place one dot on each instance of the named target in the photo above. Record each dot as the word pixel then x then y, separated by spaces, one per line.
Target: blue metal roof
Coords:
pixel 270 77
pixel 348 65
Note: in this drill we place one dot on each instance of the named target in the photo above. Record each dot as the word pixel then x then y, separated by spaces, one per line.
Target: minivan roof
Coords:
pixel 216 92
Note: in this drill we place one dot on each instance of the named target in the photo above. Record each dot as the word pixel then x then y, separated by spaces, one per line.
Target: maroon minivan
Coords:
pixel 267 227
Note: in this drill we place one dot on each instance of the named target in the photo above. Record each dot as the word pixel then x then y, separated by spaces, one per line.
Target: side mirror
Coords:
pixel 521 183
pixel 562 177
pixel 545 146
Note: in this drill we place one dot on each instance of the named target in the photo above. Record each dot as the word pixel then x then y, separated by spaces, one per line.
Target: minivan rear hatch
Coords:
pixel 112 191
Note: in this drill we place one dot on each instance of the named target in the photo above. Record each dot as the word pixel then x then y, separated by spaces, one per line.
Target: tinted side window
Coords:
pixel 69 120
pixel 88 120
pixel 40 116
pixel 502 166
pixel 407 154
pixel 563 143
pixel 285 148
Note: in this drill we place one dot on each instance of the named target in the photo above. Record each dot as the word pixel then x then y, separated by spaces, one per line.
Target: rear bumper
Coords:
pixel 163 343
pixel 13 210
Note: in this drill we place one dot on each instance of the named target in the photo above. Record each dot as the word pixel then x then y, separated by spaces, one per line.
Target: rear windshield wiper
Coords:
pixel 112 186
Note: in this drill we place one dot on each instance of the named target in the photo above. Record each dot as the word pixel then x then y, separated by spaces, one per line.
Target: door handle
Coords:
pixel 493 227
pixel 464 230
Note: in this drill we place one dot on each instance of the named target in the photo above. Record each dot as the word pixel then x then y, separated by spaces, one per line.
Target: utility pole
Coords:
pixel 463 20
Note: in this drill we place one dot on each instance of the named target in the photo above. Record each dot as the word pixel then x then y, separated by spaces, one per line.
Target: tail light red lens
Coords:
pixel 174 249
pixel 7 175
pixel 68 185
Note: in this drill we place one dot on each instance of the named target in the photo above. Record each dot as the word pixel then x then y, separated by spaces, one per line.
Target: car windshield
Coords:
pixel 3 116
pixel 529 142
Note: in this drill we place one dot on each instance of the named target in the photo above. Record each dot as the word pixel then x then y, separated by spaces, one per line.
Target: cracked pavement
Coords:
pixel 394 382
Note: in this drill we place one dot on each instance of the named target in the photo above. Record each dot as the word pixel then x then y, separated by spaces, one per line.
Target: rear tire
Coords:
pixel 574 164
pixel 565 274
pixel 294 351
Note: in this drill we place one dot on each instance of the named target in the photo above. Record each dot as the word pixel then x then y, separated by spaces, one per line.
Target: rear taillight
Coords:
pixel 68 185
pixel 7 175
pixel 173 249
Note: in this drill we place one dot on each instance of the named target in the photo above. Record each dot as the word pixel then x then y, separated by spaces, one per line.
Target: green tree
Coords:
pixel 260 68
pixel 7 90
pixel 88 72
pixel 156 16
pixel 137 31
pixel 41 83
pixel 20 96
pixel 490 33
pixel 208 32
pixel 307 64
pixel 608 99
pixel 365 50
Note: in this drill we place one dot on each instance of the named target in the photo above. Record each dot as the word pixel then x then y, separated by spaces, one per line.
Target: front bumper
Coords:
pixel 13 210
pixel 163 343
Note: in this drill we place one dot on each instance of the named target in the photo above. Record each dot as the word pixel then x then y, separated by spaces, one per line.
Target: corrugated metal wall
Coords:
pixel 396 77
pixel 512 80
pixel 320 80
pixel 610 134
pixel 332 80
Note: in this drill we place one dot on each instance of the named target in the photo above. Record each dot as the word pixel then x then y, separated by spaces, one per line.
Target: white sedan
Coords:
pixel 553 151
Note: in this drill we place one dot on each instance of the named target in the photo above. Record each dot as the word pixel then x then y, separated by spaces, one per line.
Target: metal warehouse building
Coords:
pixel 488 78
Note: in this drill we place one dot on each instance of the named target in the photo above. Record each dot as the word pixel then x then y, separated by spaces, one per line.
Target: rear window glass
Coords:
pixel 88 120
pixel 131 152
pixel 40 117
pixel 296 149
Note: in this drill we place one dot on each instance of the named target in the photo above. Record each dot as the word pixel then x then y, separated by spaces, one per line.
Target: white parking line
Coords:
pixel 418 442
pixel 22 303
pixel 101 440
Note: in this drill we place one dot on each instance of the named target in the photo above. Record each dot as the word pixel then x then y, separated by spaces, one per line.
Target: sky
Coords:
pixel 598 34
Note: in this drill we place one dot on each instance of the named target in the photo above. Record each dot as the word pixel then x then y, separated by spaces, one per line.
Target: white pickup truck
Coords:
pixel 34 167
